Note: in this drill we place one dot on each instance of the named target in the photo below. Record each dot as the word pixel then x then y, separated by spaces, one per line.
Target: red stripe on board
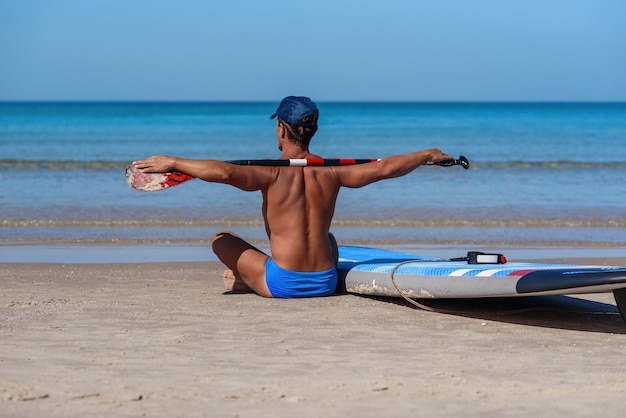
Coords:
pixel 520 272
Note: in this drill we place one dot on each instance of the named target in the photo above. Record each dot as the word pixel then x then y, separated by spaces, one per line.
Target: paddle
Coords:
pixel 152 182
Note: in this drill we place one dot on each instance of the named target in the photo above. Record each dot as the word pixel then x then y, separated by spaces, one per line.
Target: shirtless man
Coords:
pixel 298 206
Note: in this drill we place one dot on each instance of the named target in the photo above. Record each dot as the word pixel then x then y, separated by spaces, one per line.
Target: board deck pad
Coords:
pixel 367 271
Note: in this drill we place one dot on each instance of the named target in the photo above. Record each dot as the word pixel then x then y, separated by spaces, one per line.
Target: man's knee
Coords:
pixel 220 235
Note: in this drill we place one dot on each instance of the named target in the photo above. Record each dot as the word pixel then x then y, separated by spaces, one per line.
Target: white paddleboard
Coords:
pixel 368 271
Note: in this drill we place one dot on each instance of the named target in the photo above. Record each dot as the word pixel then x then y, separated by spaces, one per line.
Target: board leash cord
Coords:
pixel 472 258
pixel 445 311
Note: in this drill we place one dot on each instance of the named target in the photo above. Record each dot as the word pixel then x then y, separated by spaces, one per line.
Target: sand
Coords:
pixel 163 339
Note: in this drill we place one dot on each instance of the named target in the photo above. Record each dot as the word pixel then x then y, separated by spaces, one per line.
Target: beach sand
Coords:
pixel 163 339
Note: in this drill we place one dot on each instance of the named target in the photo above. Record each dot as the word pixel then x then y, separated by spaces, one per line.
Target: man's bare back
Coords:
pixel 298 209
pixel 298 202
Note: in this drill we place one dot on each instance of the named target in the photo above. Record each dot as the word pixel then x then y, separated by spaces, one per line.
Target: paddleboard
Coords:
pixel 368 271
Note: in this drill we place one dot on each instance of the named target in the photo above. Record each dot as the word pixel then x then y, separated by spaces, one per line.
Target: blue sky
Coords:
pixel 483 50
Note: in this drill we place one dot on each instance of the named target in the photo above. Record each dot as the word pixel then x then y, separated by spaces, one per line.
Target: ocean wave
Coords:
pixel 550 165
pixel 127 223
pixel 521 223
pixel 100 165
pixel 479 243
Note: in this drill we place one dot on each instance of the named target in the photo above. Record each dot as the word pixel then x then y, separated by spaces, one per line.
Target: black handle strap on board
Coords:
pixel 477 257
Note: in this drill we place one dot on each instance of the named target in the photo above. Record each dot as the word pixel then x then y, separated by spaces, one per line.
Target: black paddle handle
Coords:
pixel 462 161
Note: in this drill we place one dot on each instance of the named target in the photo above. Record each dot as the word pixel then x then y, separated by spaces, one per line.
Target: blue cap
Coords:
pixel 293 109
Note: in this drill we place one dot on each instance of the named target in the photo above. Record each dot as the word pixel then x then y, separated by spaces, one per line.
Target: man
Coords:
pixel 298 206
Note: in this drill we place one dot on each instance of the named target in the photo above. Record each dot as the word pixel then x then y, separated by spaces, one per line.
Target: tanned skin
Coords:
pixel 298 206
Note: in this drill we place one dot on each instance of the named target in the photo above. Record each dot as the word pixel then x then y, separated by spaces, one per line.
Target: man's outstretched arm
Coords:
pixel 248 178
pixel 390 167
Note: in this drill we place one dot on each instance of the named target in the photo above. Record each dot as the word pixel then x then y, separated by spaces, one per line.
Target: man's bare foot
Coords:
pixel 233 284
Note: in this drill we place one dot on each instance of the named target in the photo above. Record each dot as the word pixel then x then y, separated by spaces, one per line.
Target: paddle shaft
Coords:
pixel 301 162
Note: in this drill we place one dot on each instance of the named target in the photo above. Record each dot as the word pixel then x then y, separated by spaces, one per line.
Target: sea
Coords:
pixel 548 175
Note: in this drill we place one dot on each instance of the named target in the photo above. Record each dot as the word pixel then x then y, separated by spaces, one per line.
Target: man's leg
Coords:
pixel 246 261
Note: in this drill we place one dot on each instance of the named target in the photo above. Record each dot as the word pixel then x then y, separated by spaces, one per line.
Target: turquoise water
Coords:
pixel 550 173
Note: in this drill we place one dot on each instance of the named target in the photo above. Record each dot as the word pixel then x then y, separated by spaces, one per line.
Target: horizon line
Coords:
pixel 363 101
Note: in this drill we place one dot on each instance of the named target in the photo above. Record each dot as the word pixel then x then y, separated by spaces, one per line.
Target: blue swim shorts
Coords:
pixel 292 284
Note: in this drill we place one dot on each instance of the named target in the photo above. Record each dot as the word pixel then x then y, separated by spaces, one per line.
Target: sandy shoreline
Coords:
pixel 163 339
pixel 97 253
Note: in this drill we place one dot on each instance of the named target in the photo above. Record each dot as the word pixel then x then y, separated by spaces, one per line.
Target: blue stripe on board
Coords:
pixel 439 270
pixel 382 261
